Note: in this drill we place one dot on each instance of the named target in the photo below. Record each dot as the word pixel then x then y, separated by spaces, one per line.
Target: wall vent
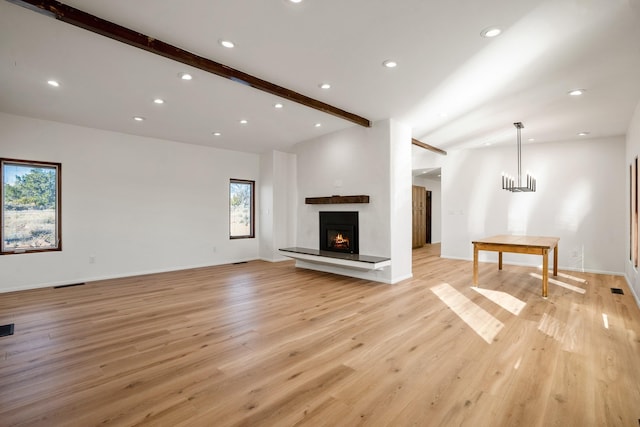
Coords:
pixel 68 286
pixel 6 330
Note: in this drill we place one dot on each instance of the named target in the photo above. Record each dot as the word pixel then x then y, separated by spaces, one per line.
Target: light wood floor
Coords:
pixel 262 344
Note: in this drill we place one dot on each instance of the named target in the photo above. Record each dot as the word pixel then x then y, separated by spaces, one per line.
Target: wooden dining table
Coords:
pixel 532 245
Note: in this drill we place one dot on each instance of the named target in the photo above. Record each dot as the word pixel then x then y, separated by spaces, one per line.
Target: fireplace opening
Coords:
pixel 339 232
pixel 340 239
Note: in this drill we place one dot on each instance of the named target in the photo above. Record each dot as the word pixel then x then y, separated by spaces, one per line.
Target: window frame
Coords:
pixel 58 206
pixel 633 217
pixel 252 209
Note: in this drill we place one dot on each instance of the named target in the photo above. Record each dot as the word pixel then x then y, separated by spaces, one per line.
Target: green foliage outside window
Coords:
pixel 36 189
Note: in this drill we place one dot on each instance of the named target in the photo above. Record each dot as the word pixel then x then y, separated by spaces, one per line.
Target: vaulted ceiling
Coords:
pixel 455 88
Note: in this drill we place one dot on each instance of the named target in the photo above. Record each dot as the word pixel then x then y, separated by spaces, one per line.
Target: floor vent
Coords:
pixel 239 262
pixel 68 286
pixel 617 291
pixel 6 330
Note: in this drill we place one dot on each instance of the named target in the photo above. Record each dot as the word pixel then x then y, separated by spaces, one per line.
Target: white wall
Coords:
pixel 426 159
pixel 265 216
pixel 436 205
pixel 372 161
pixel 632 151
pixel 401 203
pixel 285 207
pixel 579 198
pixel 138 205
pixel 278 201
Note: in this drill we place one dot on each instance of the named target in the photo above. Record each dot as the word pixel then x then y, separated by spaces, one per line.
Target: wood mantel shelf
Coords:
pixel 332 200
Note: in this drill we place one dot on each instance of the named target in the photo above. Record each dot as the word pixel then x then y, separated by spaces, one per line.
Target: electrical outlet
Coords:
pixel 215 249
pixel 92 259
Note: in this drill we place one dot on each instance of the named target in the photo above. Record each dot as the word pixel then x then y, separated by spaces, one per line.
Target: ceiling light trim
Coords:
pixel 491 32
pixel 227 43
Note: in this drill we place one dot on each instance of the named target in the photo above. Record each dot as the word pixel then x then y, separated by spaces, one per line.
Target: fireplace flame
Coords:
pixel 340 242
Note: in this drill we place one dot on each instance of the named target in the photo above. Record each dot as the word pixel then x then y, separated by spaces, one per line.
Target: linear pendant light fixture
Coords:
pixel 508 182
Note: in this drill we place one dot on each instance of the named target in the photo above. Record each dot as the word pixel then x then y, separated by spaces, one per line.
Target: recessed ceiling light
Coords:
pixel 487 143
pixel 295 1
pixel 531 139
pixel 576 92
pixel 490 32
pixel 244 122
pixel 138 119
pixel 217 134
pixel 390 64
pixel 53 83
pixel 227 43
pixel 324 86
pixel 583 133
pixel 278 105
pixel 185 76
pixel 318 125
pixel 158 101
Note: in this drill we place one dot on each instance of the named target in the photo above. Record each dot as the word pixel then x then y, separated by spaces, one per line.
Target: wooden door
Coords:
pixel 419 198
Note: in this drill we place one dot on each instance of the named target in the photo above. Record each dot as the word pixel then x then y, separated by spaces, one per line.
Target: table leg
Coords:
pixel 499 260
pixel 545 272
pixel 475 265
pixel 555 261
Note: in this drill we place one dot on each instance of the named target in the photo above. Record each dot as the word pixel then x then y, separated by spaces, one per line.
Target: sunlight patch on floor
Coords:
pixel 562 284
pixel 570 277
pixel 605 321
pixel 569 335
pixel 483 323
pixel 510 303
pixel 517 365
pixel 552 327
pixel 566 276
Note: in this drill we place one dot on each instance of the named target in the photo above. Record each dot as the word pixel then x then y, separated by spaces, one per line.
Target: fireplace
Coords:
pixel 339 232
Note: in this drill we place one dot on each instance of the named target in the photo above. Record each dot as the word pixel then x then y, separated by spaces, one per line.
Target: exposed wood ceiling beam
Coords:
pixel 125 35
pixel 428 147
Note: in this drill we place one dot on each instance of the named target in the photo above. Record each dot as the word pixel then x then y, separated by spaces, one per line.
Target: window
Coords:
pixel 241 209
pixel 30 210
